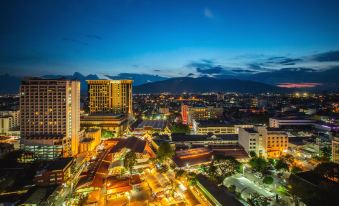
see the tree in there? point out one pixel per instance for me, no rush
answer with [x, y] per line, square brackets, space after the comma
[258, 163]
[268, 180]
[221, 167]
[192, 178]
[180, 128]
[180, 173]
[258, 200]
[165, 152]
[253, 154]
[326, 153]
[232, 188]
[130, 160]
[281, 165]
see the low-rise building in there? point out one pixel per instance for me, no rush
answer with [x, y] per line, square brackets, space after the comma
[251, 140]
[263, 141]
[204, 140]
[91, 140]
[55, 172]
[150, 127]
[278, 122]
[116, 124]
[217, 126]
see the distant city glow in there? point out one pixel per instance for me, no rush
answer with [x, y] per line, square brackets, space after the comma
[299, 85]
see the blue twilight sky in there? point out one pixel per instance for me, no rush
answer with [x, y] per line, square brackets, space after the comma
[168, 38]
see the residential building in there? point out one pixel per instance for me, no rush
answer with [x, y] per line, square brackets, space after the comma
[9, 121]
[110, 96]
[50, 117]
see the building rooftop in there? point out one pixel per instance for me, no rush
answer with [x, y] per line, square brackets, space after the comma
[214, 123]
[133, 143]
[219, 193]
[193, 157]
[59, 164]
[177, 137]
[154, 124]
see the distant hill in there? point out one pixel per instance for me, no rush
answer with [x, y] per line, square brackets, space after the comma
[328, 78]
[77, 76]
[260, 81]
[10, 84]
[138, 79]
[205, 84]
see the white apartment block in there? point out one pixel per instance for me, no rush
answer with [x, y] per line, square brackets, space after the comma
[263, 141]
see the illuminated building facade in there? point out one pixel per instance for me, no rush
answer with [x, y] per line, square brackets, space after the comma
[50, 117]
[262, 141]
[9, 121]
[335, 149]
[204, 127]
[275, 143]
[290, 121]
[190, 113]
[110, 96]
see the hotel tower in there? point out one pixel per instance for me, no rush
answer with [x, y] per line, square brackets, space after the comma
[110, 97]
[50, 117]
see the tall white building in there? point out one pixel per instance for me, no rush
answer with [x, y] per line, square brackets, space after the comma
[50, 117]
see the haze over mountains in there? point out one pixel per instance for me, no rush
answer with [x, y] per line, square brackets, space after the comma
[258, 82]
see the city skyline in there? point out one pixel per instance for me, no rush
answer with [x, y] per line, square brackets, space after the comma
[171, 39]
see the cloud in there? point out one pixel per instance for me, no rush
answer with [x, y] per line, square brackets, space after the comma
[66, 39]
[298, 69]
[256, 67]
[327, 56]
[206, 66]
[213, 70]
[243, 71]
[202, 64]
[94, 36]
[283, 60]
[190, 75]
[156, 70]
[208, 13]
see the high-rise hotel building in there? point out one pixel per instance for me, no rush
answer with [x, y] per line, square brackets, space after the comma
[110, 97]
[50, 117]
